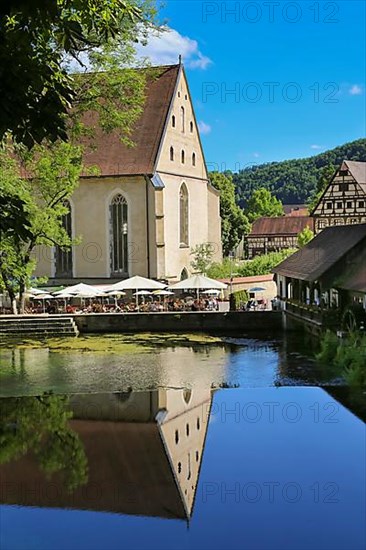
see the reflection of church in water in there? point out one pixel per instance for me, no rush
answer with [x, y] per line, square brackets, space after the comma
[144, 452]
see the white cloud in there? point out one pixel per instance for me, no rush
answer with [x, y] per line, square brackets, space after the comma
[165, 47]
[256, 155]
[204, 128]
[355, 90]
[316, 147]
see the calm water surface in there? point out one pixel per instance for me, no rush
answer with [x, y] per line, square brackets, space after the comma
[147, 450]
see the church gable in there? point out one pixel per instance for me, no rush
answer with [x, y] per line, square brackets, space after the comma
[181, 150]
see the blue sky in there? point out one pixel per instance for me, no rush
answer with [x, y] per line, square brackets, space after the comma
[295, 70]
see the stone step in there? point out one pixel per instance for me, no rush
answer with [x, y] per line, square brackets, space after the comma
[38, 326]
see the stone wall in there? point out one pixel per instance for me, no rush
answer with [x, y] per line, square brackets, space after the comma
[233, 322]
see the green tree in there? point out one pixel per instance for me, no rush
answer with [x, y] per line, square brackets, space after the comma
[202, 257]
[41, 425]
[36, 40]
[324, 178]
[262, 265]
[262, 203]
[234, 223]
[55, 172]
[304, 237]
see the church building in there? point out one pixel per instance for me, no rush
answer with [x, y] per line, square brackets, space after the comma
[150, 204]
[344, 200]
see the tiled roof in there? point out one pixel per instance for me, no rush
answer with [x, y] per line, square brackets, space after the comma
[355, 276]
[320, 254]
[358, 171]
[249, 280]
[113, 157]
[284, 225]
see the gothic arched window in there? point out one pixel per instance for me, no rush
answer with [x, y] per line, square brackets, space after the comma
[183, 215]
[182, 116]
[63, 256]
[119, 235]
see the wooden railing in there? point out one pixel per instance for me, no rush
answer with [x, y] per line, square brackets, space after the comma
[325, 317]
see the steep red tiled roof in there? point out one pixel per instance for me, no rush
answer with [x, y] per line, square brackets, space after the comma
[321, 253]
[113, 157]
[284, 225]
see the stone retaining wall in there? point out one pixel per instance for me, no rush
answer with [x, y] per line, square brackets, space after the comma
[232, 322]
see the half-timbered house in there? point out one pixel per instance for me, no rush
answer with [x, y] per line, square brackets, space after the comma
[274, 234]
[344, 200]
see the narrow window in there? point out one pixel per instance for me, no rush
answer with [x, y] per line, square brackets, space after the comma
[176, 437]
[183, 157]
[187, 429]
[119, 235]
[171, 153]
[63, 256]
[339, 205]
[191, 127]
[193, 159]
[182, 116]
[361, 204]
[173, 121]
[183, 215]
[349, 204]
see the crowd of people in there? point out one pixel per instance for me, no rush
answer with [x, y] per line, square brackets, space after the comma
[99, 305]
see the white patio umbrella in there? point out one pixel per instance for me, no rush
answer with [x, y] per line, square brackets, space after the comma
[198, 282]
[214, 292]
[44, 297]
[115, 293]
[162, 293]
[81, 288]
[138, 283]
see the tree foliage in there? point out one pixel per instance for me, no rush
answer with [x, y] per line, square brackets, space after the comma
[36, 38]
[304, 237]
[234, 223]
[52, 175]
[40, 425]
[262, 203]
[294, 181]
[324, 177]
[202, 257]
[261, 265]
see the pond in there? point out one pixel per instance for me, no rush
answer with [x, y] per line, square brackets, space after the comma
[177, 442]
